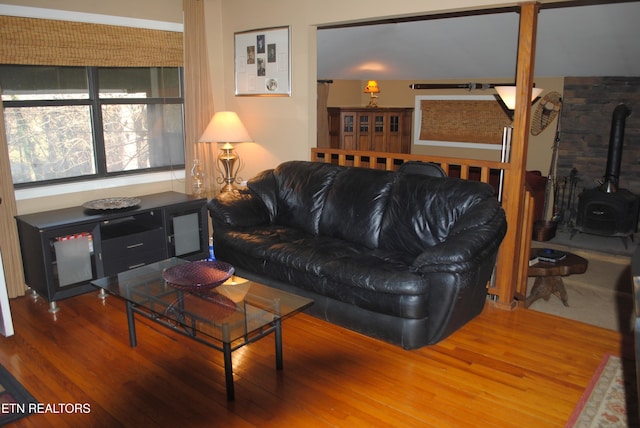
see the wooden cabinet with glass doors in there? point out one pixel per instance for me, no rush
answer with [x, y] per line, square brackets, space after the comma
[370, 129]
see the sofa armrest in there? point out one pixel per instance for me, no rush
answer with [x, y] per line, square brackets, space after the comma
[237, 209]
[465, 248]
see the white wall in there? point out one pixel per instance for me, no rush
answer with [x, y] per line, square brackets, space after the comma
[159, 10]
[285, 128]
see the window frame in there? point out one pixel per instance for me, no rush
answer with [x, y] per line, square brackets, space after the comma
[95, 103]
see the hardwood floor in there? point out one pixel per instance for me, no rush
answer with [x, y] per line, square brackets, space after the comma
[504, 369]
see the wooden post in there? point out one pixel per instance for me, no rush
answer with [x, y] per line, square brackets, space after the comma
[9, 241]
[510, 256]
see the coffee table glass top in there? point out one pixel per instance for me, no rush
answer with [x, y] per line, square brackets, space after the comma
[230, 312]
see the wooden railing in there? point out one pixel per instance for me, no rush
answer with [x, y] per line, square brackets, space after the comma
[485, 171]
[392, 161]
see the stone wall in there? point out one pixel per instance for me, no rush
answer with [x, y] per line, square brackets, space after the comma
[585, 127]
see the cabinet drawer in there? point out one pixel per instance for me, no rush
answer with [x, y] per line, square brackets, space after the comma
[133, 250]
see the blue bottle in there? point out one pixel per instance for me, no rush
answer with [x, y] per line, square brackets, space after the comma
[212, 256]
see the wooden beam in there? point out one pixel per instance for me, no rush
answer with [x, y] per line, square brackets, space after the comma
[9, 242]
[510, 257]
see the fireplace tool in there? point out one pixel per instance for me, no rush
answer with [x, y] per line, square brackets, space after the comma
[570, 211]
[550, 107]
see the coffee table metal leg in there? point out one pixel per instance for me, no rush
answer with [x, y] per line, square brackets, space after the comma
[132, 325]
[278, 338]
[228, 371]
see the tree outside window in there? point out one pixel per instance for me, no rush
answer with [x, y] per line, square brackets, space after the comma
[77, 123]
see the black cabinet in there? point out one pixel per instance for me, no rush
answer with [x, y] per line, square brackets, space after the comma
[63, 250]
[132, 242]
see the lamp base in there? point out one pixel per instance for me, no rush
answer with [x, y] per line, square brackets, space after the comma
[229, 165]
[229, 187]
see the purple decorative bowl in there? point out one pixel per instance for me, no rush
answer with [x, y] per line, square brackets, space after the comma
[201, 275]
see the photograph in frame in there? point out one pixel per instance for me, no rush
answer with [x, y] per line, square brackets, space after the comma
[263, 62]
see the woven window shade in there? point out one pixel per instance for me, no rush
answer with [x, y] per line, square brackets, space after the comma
[463, 121]
[31, 41]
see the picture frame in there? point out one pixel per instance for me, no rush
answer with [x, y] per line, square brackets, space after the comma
[263, 62]
[463, 144]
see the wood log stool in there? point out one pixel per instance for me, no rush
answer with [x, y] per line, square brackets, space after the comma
[549, 277]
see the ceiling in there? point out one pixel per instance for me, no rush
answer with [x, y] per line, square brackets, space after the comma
[590, 40]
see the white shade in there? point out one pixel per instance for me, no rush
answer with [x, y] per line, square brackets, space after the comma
[508, 95]
[225, 127]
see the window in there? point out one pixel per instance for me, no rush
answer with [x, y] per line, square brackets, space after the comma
[77, 123]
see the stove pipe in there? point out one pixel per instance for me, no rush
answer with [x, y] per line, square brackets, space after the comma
[612, 173]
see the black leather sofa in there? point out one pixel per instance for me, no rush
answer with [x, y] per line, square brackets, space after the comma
[397, 256]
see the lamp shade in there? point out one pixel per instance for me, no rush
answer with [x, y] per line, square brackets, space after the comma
[508, 95]
[372, 87]
[225, 126]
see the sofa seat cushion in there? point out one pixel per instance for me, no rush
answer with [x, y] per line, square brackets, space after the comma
[408, 307]
[341, 280]
[340, 261]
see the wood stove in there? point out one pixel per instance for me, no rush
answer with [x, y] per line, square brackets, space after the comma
[608, 214]
[607, 210]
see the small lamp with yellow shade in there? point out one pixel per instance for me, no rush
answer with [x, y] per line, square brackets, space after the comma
[373, 89]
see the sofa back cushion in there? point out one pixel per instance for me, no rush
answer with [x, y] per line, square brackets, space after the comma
[301, 189]
[355, 205]
[421, 211]
[264, 187]
[404, 213]
[325, 199]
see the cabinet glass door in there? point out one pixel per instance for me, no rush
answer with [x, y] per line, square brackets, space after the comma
[348, 134]
[365, 126]
[379, 127]
[188, 232]
[379, 142]
[348, 123]
[394, 136]
[364, 123]
[394, 123]
[73, 257]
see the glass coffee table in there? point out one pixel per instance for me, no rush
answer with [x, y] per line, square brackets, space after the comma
[227, 318]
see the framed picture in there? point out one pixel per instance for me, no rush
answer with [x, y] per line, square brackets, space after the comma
[463, 121]
[263, 62]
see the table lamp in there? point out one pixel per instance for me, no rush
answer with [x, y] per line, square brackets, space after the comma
[226, 127]
[372, 88]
